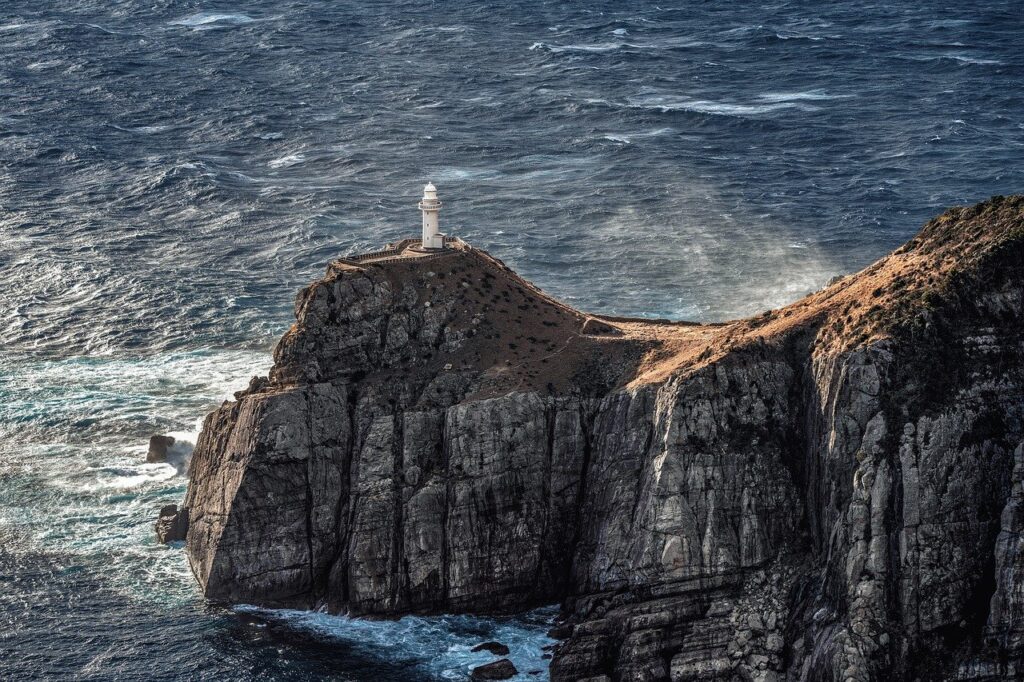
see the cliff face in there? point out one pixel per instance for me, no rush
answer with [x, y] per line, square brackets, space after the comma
[830, 491]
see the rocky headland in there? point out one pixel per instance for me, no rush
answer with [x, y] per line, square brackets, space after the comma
[833, 490]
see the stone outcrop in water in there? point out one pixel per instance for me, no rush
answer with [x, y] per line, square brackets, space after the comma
[158, 447]
[496, 648]
[499, 670]
[171, 524]
[829, 491]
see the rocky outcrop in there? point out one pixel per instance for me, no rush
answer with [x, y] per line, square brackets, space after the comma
[172, 524]
[158, 447]
[830, 491]
[496, 648]
[499, 670]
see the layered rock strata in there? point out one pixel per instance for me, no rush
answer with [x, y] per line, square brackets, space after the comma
[829, 491]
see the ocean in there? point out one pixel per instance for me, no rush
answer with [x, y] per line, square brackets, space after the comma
[171, 172]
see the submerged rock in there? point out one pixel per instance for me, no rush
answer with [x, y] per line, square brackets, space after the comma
[828, 491]
[499, 670]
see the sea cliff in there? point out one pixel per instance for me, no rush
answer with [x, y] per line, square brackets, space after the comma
[827, 491]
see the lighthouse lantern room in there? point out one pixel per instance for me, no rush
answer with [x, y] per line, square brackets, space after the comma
[430, 206]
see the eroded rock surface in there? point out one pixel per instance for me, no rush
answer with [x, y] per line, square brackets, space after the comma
[830, 491]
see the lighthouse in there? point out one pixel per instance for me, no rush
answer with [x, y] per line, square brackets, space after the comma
[430, 206]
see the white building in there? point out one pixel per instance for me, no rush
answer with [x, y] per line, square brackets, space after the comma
[430, 206]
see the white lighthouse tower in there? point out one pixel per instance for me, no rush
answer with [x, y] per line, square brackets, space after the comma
[430, 206]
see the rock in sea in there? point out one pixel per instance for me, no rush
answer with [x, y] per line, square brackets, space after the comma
[496, 648]
[172, 524]
[499, 670]
[158, 447]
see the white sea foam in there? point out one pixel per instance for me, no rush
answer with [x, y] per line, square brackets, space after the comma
[956, 57]
[805, 96]
[43, 65]
[967, 59]
[949, 23]
[661, 44]
[80, 428]
[288, 161]
[627, 138]
[456, 174]
[205, 20]
[129, 478]
[793, 35]
[440, 646]
[598, 47]
[145, 130]
[666, 103]
[190, 436]
[740, 30]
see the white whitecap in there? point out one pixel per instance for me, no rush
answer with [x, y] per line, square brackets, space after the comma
[627, 138]
[201, 20]
[597, 47]
[806, 96]
[666, 103]
[287, 161]
[455, 174]
[113, 477]
[662, 44]
[961, 58]
[967, 59]
[743, 29]
[43, 65]
[793, 35]
[145, 130]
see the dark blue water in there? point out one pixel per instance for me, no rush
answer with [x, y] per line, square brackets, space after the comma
[171, 173]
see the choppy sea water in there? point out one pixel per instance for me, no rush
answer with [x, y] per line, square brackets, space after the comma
[171, 173]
